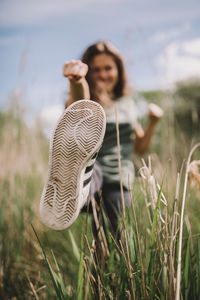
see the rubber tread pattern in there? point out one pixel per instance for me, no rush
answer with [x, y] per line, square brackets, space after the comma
[76, 140]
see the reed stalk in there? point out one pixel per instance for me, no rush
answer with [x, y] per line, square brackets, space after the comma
[178, 283]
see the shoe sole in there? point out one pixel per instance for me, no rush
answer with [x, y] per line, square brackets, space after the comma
[76, 139]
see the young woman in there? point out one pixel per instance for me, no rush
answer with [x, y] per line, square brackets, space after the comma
[73, 173]
[100, 75]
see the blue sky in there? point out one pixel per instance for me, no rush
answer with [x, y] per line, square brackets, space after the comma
[159, 39]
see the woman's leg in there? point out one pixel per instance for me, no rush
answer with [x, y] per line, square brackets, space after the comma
[95, 187]
[113, 204]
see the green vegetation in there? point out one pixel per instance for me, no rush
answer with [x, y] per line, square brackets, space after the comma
[38, 263]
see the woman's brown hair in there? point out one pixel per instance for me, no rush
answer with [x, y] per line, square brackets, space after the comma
[105, 47]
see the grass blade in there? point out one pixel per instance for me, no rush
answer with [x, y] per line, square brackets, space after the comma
[80, 276]
[51, 272]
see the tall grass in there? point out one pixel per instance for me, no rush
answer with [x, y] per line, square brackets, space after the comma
[74, 264]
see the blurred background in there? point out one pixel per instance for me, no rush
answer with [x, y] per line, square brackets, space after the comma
[160, 41]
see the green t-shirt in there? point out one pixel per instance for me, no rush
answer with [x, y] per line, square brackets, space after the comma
[108, 154]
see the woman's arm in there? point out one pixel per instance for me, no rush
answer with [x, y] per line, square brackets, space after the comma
[76, 71]
[143, 138]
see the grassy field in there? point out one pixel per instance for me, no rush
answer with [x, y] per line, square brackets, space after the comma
[38, 263]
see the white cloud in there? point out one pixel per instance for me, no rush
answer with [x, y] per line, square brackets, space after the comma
[49, 117]
[51, 113]
[179, 61]
[27, 12]
[162, 36]
[23, 12]
[192, 47]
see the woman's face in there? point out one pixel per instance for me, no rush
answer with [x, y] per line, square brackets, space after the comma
[104, 70]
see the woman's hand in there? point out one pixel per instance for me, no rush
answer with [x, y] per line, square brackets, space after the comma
[75, 70]
[144, 137]
[155, 113]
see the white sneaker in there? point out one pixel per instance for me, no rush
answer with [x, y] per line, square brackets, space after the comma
[75, 143]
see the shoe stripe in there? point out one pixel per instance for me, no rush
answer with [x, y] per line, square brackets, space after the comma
[87, 181]
[95, 155]
[89, 168]
[87, 175]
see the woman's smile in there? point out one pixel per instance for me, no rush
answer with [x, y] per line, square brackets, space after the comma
[104, 70]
